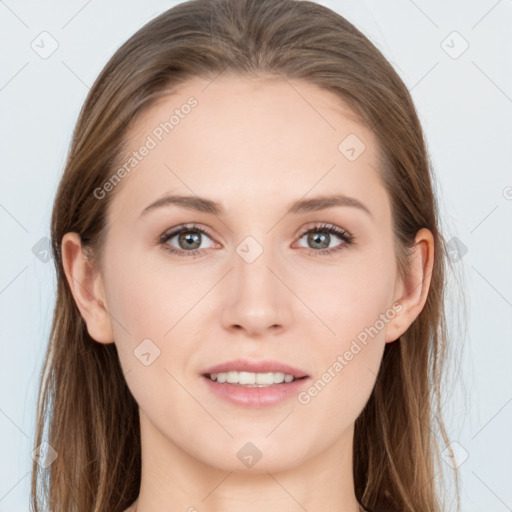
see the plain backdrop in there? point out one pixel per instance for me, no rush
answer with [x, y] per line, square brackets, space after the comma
[455, 58]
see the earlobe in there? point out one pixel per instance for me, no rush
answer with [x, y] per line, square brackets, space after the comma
[86, 285]
[412, 292]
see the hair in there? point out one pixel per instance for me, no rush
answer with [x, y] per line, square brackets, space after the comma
[84, 402]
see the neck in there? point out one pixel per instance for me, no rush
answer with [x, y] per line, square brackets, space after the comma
[172, 480]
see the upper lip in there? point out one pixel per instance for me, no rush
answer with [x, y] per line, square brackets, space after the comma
[244, 365]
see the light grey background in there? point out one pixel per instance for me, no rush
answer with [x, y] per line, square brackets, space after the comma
[464, 99]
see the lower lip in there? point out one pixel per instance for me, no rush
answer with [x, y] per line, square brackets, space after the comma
[256, 397]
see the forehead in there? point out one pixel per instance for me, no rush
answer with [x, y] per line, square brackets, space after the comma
[244, 138]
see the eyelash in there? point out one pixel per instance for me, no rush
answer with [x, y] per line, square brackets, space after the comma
[347, 238]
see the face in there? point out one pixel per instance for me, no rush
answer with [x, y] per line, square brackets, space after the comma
[255, 278]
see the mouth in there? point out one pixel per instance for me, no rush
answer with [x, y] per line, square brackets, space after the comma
[269, 388]
[255, 383]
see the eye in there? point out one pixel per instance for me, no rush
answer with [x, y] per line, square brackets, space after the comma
[188, 239]
[320, 238]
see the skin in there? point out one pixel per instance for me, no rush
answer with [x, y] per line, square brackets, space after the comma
[254, 145]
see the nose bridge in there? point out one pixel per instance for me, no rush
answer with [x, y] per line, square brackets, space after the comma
[256, 300]
[252, 262]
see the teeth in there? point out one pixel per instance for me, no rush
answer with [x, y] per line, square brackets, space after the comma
[252, 379]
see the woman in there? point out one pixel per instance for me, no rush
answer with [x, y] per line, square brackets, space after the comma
[250, 275]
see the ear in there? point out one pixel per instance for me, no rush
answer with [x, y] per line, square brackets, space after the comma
[86, 286]
[412, 291]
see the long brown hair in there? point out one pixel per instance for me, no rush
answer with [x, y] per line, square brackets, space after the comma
[84, 403]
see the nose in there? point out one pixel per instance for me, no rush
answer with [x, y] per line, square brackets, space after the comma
[257, 300]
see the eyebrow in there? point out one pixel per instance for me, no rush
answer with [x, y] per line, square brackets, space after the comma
[205, 205]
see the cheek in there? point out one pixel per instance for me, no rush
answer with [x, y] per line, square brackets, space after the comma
[154, 320]
[347, 367]
[354, 297]
[148, 309]
[358, 308]
[145, 295]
